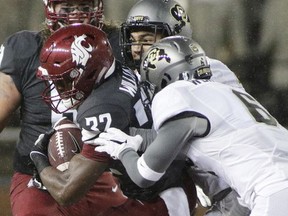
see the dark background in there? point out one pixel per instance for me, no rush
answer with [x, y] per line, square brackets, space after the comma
[229, 30]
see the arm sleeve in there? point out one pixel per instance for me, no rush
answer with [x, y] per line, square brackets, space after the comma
[148, 136]
[16, 54]
[171, 138]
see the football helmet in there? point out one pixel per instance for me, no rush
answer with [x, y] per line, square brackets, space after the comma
[74, 60]
[174, 58]
[86, 10]
[162, 16]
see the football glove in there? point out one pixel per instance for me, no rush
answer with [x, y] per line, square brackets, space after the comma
[36, 182]
[202, 198]
[114, 141]
[38, 153]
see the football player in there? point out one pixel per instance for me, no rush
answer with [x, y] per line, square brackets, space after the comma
[19, 88]
[81, 73]
[220, 128]
[147, 22]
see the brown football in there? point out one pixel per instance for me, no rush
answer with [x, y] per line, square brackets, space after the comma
[64, 143]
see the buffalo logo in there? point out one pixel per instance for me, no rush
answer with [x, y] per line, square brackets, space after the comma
[181, 16]
[80, 54]
[155, 55]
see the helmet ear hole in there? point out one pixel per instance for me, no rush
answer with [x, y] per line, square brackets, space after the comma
[163, 84]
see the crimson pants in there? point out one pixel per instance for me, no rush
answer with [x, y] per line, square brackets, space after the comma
[99, 201]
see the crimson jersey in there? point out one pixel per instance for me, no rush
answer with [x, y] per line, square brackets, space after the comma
[114, 104]
[19, 58]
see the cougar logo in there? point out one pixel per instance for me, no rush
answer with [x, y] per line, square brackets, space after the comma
[80, 54]
[181, 16]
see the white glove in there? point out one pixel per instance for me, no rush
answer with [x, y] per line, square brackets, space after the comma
[203, 199]
[114, 141]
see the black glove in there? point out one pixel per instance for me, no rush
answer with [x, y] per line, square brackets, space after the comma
[38, 153]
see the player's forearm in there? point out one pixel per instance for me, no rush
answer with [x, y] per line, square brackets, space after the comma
[9, 99]
[54, 180]
[59, 187]
[130, 158]
[158, 156]
[148, 136]
[71, 185]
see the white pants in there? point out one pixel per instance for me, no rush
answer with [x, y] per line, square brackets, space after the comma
[176, 201]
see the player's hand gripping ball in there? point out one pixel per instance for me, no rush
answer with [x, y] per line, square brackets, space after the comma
[64, 143]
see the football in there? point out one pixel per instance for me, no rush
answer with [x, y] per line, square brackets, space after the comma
[64, 143]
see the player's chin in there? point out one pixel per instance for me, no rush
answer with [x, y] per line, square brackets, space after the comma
[136, 57]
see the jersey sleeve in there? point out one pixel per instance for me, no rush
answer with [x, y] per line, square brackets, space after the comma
[222, 74]
[16, 54]
[167, 104]
[89, 152]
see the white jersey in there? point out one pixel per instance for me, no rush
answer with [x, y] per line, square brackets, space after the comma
[221, 73]
[245, 145]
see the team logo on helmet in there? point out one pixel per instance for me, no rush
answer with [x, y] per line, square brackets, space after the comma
[181, 16]
[155, 55]
[80, 54]
[137, 19]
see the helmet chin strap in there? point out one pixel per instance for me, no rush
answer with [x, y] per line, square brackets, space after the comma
[60, 24]
[70, 103]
